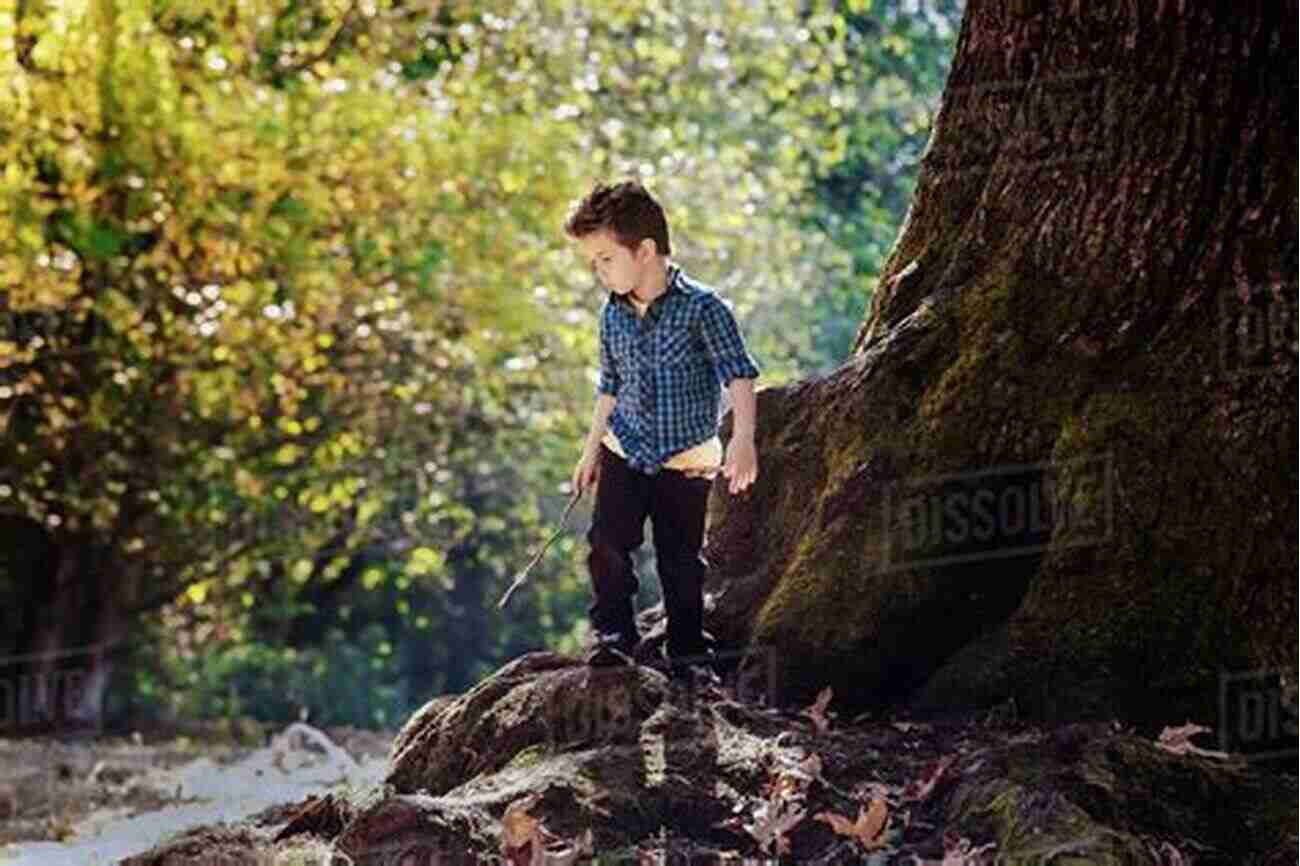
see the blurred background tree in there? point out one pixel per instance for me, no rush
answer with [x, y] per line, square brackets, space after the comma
[899, 54]
[294, 358]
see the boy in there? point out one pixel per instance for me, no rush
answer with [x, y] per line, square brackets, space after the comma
[667, 344]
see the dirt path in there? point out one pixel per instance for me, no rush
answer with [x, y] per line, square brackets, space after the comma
[96, 801]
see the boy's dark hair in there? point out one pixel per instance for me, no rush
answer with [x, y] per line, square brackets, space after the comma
[627, 209]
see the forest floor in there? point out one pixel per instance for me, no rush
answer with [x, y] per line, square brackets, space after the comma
[99, 799]
[722, 775]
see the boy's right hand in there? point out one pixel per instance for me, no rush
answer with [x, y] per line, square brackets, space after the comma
[587, 472]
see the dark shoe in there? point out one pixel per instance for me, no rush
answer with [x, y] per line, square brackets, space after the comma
[611, 648]
[693, 676]
[694, 670]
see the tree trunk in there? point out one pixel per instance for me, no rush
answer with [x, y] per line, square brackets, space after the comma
[1059, 466]
[58, 663]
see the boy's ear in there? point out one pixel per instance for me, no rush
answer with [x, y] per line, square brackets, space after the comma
[645, 252]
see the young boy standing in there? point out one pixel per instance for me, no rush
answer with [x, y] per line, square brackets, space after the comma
[667, 346]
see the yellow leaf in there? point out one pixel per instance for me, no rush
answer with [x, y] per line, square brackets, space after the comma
[423, 561]
[510, 181]
[240, 292]
[368, 509]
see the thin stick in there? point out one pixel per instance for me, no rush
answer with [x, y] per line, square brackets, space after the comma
[523, 575]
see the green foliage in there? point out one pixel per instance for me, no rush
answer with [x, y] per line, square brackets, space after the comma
[340, 681]
[898, 62]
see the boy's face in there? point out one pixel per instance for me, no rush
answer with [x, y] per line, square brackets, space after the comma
[620, 269]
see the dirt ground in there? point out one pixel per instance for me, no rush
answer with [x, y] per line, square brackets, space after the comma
[52, 788]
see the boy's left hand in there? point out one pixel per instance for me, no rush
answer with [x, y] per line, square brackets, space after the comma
[741, 465]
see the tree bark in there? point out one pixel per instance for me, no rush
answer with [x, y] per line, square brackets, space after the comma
[1090, 309]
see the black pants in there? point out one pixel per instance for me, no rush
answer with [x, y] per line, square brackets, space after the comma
[675, 504]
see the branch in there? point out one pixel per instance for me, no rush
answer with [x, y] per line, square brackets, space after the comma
[329, 46]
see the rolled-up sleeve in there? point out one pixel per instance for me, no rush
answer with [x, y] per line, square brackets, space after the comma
[608, 381]
[726, 348]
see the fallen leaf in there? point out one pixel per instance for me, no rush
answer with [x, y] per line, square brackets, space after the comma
[525, 839]
[868, 829]
[781, 808]
[1178, 741]
[960, 851]
[812, 766]
[817, 710]
[1168, 855]
[518, 828]
[772, 820]
[919, 790]
[793, 779]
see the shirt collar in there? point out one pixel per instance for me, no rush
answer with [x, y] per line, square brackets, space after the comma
[672, 284]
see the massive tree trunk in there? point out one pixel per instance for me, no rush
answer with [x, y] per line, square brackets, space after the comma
[1059, 466]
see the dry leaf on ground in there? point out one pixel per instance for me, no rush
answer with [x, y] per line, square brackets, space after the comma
[960, 851]
[1179, 741]
[772, 820]
[523, 837]
[869, 829]
[517, 826]
[918, 789]
[817, 710]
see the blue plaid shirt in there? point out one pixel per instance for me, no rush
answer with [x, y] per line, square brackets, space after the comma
[668, 368]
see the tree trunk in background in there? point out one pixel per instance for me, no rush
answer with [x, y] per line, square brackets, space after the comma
[57, 661]
[1060, 465]
[110, 585]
